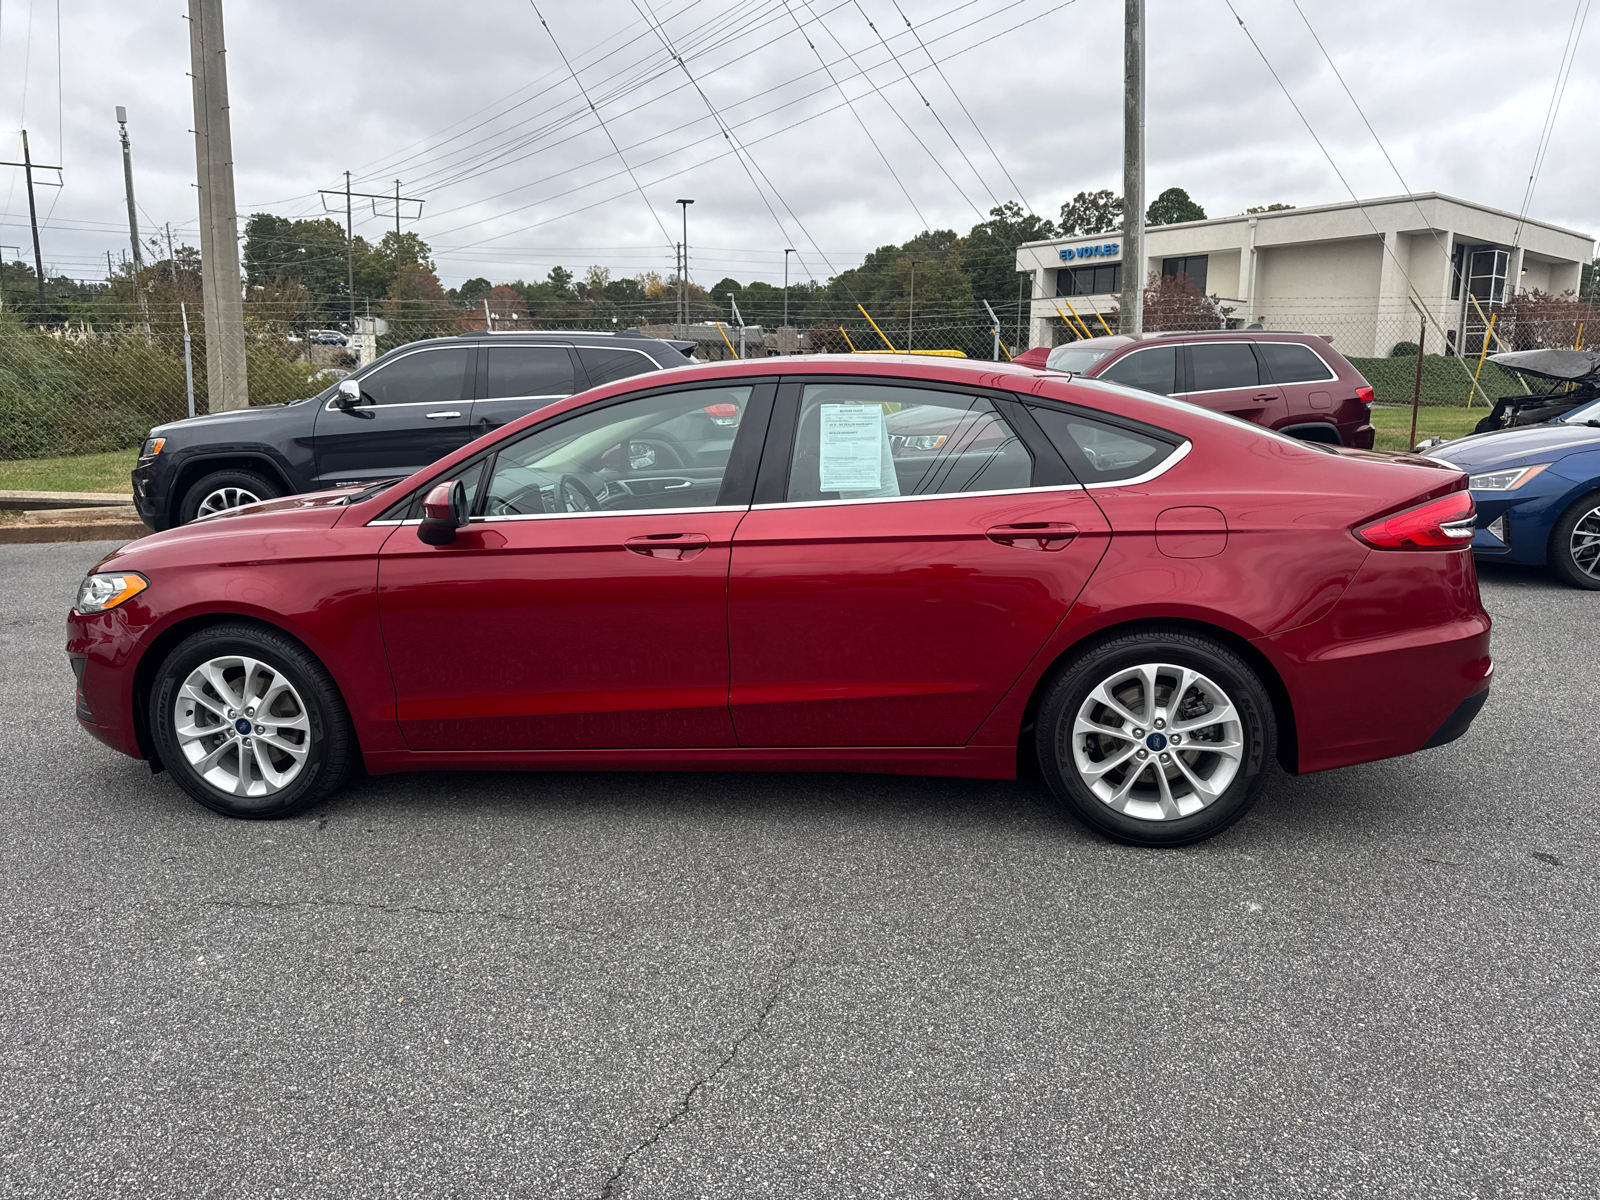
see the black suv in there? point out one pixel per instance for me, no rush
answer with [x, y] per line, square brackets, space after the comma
[413, 405]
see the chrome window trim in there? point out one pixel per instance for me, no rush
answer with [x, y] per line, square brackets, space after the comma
[614, 349]
[1134, 353]
[626, 512]
[1161, 468]
[1333, 376]
[550, 396]
[330, 405]
[1055, 487]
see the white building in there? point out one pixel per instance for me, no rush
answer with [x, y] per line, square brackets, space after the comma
[1348, 270]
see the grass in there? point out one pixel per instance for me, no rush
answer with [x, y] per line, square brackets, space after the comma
[84, 473]
[1393, 425]
[1444, 380]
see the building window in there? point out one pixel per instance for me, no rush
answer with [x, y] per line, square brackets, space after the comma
[1458, 263]
[1089, 281]
[1486, 279]
[1194, 266]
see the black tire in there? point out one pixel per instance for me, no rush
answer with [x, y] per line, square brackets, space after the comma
[1102, 662]
[248, 482]
[330, 751]
[1563, 560]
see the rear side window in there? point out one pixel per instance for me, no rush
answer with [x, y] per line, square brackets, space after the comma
[426, 377]
[607, 364]
[1290, 362]
[529, 371]
[1219, 365]
[1152, 370]
[1099, 452]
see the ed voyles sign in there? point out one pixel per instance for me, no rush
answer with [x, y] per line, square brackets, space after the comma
[1104, 250]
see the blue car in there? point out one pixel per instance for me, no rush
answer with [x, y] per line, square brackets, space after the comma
[1538, 493]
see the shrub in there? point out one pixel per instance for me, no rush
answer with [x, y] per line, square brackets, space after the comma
[1404, 350]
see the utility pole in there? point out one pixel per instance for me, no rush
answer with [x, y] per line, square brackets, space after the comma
[227, 379]
[172, 257]
[786, 254]
[396, 204]
[1133, 168]
[350, 227]
[683, 269]
[127, 181]
[27, 164]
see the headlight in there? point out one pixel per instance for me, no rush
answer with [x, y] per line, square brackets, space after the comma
[1504, 481]
[152, 447]
[98, 593]
[921, 441]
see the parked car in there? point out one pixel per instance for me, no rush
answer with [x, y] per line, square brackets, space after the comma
[1574, 382]
[1296, 383]
[393, 417]
[1537, 490]
[731, 567]
[327, 337]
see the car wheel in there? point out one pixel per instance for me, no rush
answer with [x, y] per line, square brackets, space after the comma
[1575, 543]
[222, 490]
[249, 723]
[1158, 738]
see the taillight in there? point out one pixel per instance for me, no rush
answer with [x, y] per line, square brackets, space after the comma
[723, 414]
[1437, 525]
[1364, 394]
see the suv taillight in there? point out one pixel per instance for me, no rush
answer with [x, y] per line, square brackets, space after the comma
[1364, 394]
[1442, 524]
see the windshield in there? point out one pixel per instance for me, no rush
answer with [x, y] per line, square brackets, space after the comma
[1583, 416]
[1066, 358]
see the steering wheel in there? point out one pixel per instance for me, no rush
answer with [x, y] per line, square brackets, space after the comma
[576, 496]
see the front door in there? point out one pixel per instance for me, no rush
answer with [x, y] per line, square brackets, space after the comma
[1227, 377]
[585, 605]
[914, 561]
[414, 410]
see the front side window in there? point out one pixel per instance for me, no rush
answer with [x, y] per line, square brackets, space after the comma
[862, 441]
[607, 364]
[1097, 451]
[1152, 370]
[425, 377]
[1219, 365]
[1290, 362]
[645, 454]
[528, 372]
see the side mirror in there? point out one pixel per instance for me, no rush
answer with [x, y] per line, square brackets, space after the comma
[443, 512]
[348, 394]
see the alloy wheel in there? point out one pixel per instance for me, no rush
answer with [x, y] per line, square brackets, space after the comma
[225, 498]
[1157, 742]
[1585, 543]
[242, 726]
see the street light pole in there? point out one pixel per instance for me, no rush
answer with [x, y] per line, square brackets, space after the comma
[683, 275]
[786, 253]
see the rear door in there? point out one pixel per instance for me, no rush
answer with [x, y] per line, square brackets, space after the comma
[518, 380]
[1306, 380]
[415, 409]
[1227, 376]
[607, 364]
[906, 557]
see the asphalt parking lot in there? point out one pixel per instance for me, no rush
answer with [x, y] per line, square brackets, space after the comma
[1382, 983]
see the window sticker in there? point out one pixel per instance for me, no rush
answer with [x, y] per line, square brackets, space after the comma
[854, 448]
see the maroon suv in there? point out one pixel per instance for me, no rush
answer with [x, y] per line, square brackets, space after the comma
[1296, 383]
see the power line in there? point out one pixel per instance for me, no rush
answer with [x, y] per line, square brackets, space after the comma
[1569, 56]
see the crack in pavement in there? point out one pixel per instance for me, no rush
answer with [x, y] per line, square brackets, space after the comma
[404, 908]
[684, 1105]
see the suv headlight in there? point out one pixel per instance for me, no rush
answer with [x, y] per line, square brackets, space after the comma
[100, 593]
[1504, 481]
[152, 447]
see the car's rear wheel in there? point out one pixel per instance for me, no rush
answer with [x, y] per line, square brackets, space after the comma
[1158, 738]
[222, 490]
[1575, 543]
[249, 723]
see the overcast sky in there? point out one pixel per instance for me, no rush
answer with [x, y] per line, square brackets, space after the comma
[472, 109]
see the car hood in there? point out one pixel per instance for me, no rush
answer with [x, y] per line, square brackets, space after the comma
[208, 420]
[332, 498]
[1539, 443]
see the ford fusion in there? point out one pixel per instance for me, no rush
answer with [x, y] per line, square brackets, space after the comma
[894, 565]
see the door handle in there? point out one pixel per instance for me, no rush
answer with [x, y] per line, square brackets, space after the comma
[1034, 535]
[440, 416]
[668, 545]
[1265, 396]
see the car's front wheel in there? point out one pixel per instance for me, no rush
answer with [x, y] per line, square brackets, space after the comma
[1158, 738]
[249, 723]
[222, 490]
[1575, 543]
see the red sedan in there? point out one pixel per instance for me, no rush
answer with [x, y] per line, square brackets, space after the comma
[745, 566]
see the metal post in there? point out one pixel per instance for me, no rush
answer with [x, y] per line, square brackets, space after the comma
[739, 319]
[911, 305]
[227, 382]
[33, 220]
[1133, 168]
[350, 250]
[786, 254]
[396, 207]
[488, 317]
[188, 362]
[990, 309]
[1416, 392]
[683, 272]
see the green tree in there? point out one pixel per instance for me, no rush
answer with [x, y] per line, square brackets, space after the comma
[1091, 212]
[989, 251]
[1261, 208]
[1171, 207]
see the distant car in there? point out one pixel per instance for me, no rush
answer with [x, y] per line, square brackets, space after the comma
[391, 418]
[327, 337]
[1295, 383]
[1537, 489]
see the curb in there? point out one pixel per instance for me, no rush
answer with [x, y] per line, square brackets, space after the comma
[74, 525]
